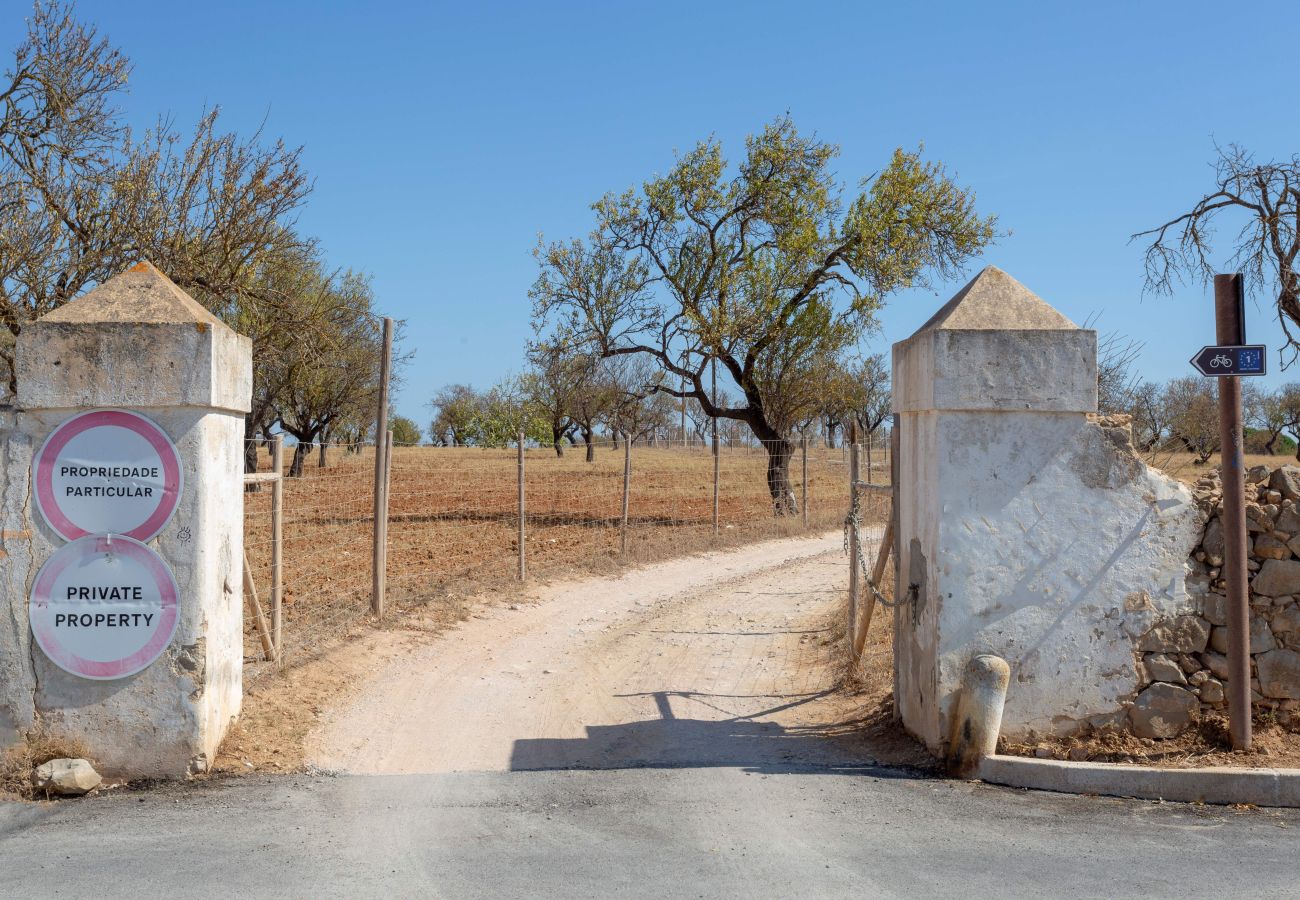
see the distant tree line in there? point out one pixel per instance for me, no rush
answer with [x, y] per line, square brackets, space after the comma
[1182, 414]
[565, 398]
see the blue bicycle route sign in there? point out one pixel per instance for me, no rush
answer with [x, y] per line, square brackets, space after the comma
[1248, 359]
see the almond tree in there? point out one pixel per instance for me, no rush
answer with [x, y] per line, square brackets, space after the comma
[593, 404]
[1193, 410]
[82, 198]
[333, 371]
[767, 267]
[455, 408]
[555, 381]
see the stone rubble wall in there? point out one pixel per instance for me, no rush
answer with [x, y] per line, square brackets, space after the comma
[1184, 661]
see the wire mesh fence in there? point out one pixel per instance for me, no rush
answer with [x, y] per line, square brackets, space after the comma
[453, 521]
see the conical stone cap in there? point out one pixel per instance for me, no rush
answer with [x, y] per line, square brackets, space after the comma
[994, 301]
[996, 346]
[142, 295]
[139, 342]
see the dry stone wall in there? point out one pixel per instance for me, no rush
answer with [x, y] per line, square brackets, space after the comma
[1184, 662]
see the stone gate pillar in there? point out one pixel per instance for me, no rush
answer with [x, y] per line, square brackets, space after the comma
[1026, 529]
[141, 345]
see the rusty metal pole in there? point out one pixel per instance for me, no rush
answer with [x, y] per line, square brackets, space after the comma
[1230, 327]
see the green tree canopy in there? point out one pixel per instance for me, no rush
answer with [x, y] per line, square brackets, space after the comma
[405, 432]
[768, 267]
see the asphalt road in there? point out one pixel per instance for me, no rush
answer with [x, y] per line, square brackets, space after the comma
[679, 832]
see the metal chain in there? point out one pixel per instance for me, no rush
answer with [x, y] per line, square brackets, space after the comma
[853, 528]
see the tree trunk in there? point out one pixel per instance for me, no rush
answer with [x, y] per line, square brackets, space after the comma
[557, 439]
[300, 451]
[320, 462]
[779, 452]
[588, 439]
[251, 428]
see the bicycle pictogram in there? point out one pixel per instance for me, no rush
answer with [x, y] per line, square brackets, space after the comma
[1220, 361]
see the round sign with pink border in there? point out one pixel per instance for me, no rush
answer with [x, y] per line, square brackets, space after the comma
[104, 607]
[108, 471]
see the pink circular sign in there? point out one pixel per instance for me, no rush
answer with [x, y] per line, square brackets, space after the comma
[104, 607]
[108, 471]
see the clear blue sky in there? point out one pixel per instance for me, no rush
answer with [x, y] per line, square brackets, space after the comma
[444, 137]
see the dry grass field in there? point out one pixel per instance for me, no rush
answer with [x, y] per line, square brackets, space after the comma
[453, 524]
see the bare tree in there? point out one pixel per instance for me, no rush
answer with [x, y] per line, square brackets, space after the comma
[557, 377]
[1117, 380]
[1265, 417]
[1266, 196]
[1288, 400]
[1150, 416]
[81, 198]
[593, 404]
[700, 420]
[638, 409]
[334, 372]
[1193, 409]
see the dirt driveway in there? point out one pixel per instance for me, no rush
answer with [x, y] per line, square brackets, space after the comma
[723, 659]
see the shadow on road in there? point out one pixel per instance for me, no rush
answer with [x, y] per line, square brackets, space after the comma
[757, 746]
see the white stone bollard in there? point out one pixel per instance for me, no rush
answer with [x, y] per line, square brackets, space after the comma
[138, 344]
[978, 714]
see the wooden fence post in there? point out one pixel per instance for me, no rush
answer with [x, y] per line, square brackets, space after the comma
[627, 489]
[385, 452]
[855, 550]
[717, 477]
[877, 573]
[259, 618]
[717, 450]
[803, 443]
[523, 565]
[379, 549]
[277, 543]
